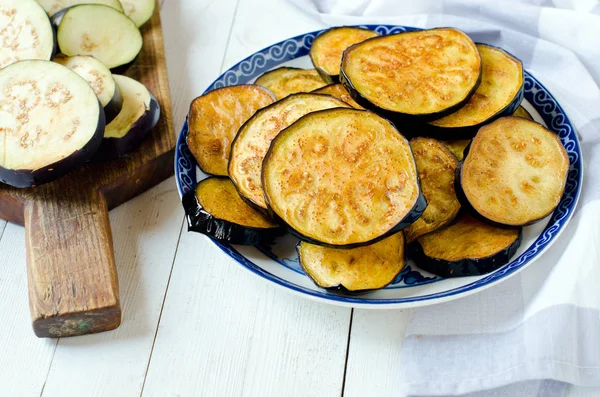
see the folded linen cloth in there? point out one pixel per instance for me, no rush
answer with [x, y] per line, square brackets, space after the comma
[540, 330]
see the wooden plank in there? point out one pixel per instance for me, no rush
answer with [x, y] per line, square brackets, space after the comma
[224, 332]
[373, 367]
[25, 359]
[146, 231]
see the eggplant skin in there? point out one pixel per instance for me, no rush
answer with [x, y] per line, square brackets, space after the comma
[464, 267]
[112, 148]
[114, 106]
[49, 173]
[201, 221]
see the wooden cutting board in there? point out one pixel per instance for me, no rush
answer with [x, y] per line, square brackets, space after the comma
[73, 287]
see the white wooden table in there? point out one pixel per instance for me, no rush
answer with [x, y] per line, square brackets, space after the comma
[194, 322]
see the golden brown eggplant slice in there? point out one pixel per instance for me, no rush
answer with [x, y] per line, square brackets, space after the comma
[338, 91]
[428, 74]
[457, 147]
[327, 49]
[342, 177]
[514, 173]
[436, 166]
[215, 119]
[254, 138]
[356, 269]
[285, 81]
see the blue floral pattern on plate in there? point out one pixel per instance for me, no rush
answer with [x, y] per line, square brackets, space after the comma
[283, 250]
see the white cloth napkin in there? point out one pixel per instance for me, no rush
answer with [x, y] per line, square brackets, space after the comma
[538, 331]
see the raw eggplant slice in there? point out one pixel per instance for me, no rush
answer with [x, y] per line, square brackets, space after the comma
[214, 208]
[338, 91]
[327, 49]
[343, 178]
[467, 247]
[140, 11]
[285, 81]
[53, 6]
[26, 32]
[436, 166]
[356, 269]
[215, 118]
[499, 94]
[254, 138]
[514, 173]
[139, 115]
[99, 78]
[50, 122]
[426, 74]
[522, 112]
[100, 31]
[457, 147]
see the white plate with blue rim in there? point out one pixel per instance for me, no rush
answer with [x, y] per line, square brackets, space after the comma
[277, 262]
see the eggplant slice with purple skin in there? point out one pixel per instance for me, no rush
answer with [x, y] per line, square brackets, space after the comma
[284, 81]
[499, 94]
[327, 49]
[99, 78]
[467, 247]
[514, 172]
[139, 115]
[338, 91]
[140, 11]
[50, 121]
[214, 208]
[26, 32]
[342, 178]
[354, 270]
[413, 76]
[100, 31]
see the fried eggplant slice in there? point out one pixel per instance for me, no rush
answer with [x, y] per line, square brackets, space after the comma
[327, 49]
[499, 94]
[338, 91]
[467, 247]
[215, 209]
[214, 120]
[426, 74]
[254, 138]
[436, 166]
[285, 81]
[342, 177]
[356, 269]
[514, 172]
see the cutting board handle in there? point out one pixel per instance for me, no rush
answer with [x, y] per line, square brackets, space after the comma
[73, 287]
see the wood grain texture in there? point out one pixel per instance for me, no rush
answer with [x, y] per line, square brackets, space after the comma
[72, 277]
[145, 230]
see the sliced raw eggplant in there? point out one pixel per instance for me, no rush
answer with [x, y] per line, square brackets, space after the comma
[26, 32]
[499, 94]
[285, 81]
[254, 138]
[54, 6]
[457, 147]
[436, 166]
[467, 247]
[50, 122]
[522, 112]
[514, 173]
[133, 124]
[356, 269]
[140, 11]
[99, 78]
[342, 177]
[327, 49]
[100, 31]
[426, 74]
[338, 91]
[216, 117]
[215, 209]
